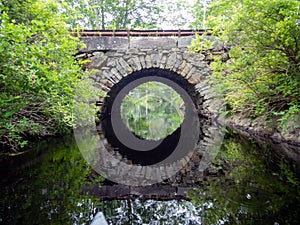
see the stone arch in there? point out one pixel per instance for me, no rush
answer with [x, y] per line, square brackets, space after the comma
[112, 66]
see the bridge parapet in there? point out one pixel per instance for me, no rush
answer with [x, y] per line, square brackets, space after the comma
[97, 43]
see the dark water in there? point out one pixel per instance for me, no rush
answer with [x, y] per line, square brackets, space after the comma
[255, 185]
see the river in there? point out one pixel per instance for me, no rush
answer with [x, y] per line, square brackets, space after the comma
[253, 184]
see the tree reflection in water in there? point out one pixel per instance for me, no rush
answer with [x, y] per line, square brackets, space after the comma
[258, 187]
[44, 186]
[127, 212]
[152, 110]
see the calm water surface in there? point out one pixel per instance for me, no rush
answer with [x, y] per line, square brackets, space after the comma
[255, 186]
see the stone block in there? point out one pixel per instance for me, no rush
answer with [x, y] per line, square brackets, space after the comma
[133, 51]
[109, 76]
[185, 41]
[82, 56]
[135, 63]
[153, 42]
[194, 76]
[121, 70]
[111, 62]
[114, 53]
[125, 65]
[191, 73]
[202, 86]
[186, 70]
[193, 57]
[116, 74]
[148, 61]
[142, 61]
[218, 45]
[204, 92]
[95, 43]
[105, 89]
[171, 61]
[175, 50]
[206, 71]
[156, 58]
[178, 62]
[163, 62]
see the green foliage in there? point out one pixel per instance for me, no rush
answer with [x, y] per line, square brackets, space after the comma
[174, 14]
[38, 72]
[15, 9]
[110, 14]
[262, 76]
[201, 43]
[200, 12]
[152, 110]
[84, 107]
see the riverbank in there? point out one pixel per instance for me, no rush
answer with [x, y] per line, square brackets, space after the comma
[284, 140]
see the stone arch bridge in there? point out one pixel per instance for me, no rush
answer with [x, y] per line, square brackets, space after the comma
[119, 57]
[117, 54]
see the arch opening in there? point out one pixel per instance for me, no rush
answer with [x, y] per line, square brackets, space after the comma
[152, 110]
[133, 145]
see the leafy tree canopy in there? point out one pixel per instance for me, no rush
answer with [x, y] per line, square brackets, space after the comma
[38, 72]
[262, 77]
[200, 10]
[110, 14]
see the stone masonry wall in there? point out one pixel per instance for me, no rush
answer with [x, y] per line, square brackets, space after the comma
[116, 57]
[113, 58]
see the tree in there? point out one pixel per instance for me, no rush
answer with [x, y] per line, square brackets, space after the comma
[175, 14]
[262, 76]
[111, 14]
[199, 12]
[38, 71]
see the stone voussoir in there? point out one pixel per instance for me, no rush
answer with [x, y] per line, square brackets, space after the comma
[121, 70]
[148, 61]
[142, 61]
[98, 59]
[125, 65]
[109, 76]
[156, 58]
[111, 62]
[163, 61]
[135, 63]
[185, 69]
[116, 74]
[171, 61]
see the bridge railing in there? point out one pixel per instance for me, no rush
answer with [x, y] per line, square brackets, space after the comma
[139, 33]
